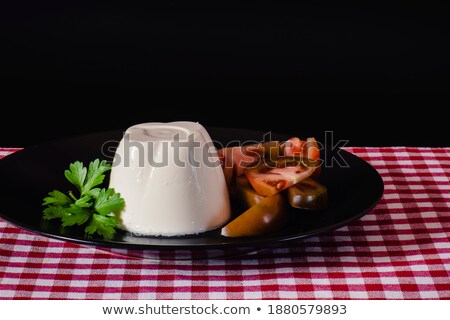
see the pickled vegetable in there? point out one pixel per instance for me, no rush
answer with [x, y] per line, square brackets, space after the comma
[308, 194]
[246, 195]
[269, 215]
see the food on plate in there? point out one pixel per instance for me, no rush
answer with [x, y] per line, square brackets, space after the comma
[236, 159]
[307, 149]
[245, 193]
[271, 176]
[266, 216]
[162, 184]
[308, 194]
[169, 190]
[296, 147]
[93, 208]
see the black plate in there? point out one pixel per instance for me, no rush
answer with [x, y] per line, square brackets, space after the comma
[28, 175]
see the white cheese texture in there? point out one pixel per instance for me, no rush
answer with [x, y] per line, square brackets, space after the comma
[166, 198]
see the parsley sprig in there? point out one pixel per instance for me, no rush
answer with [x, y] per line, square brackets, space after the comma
[90, 206]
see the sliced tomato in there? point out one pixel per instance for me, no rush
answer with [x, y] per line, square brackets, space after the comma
[295, 147]
[236, 159]
[313, 154]
[312, 149]
[244, 157]
[271, 177]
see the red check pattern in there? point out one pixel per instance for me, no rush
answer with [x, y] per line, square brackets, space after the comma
[399, 250]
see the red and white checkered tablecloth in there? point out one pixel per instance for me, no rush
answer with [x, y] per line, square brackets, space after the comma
[399, 250]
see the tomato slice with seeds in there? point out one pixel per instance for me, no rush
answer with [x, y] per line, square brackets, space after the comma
[271, 177]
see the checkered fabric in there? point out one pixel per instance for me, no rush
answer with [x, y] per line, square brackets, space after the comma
[399, 250]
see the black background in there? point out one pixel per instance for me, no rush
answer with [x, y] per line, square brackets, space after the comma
[373, 125]
[357, 67]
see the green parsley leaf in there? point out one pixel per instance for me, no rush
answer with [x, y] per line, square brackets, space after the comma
[94, 208]
[103, 225]
[83, 202]
[95, 174]
[93, 193]
[76, 175]
[53, 212]
[75, 215]
[108, 201]
[57, 198]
